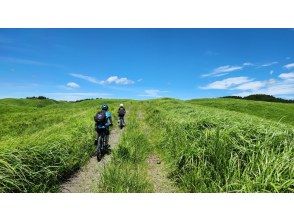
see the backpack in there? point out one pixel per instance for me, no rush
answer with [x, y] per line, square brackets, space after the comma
[100, 118]
[121, 112]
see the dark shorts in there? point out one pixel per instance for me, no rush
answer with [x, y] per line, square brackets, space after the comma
[100, 130]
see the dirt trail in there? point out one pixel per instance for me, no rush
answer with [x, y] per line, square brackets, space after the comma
[157, 171]
[158, 175]
[87, 178]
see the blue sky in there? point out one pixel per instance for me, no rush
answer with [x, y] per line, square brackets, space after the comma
[74, 64]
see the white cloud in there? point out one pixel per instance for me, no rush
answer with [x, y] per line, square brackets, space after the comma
[271, 72]
[110, 80]
[223, 69]
[289, 66]
[85, 77]
[117, 80]
[269, 64]
[255, 85]
[153, 93]
[243, 86]
[227, 83]
[287, 76]
[279, 88]
[243, 94]
[72, 85]
[139, 80]
[248, 64]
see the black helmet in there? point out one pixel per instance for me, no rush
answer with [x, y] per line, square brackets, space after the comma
[104, 107]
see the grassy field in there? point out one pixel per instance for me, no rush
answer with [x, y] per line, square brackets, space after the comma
[212, 145]
[213, 150]
[42, 142]
[282, 112]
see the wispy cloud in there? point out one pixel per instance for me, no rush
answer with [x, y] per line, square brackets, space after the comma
[85, 77]
[287, 76]
[227, 83]
[223, 70]
[110, 80]
[153, 93]
[73, 85]
[277, 88]
[255, 85]
[271, 72]
[269, 64]
[248, 64]
[244, 86]
[289, 66]
[117, 80]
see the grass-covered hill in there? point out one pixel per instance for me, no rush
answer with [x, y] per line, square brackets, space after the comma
[211, 145]
[262, 97]
[282, 112]
[43, 141]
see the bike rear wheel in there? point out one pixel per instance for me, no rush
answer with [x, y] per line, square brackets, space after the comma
[99, 148]
[121, 125]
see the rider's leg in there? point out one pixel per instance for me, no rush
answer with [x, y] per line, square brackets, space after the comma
[107, 137]
[97, 136]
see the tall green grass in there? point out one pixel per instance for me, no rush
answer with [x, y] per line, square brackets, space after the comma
[44, 142]
[127, 171]
[208, 146]
[221, 151]
[280, 112]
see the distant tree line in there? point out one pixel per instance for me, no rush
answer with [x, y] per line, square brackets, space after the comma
[261, 97]
[81, 100]
[43, 97]
[37, 97]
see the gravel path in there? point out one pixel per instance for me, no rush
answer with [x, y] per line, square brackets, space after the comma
[87, 178]
[158, 175]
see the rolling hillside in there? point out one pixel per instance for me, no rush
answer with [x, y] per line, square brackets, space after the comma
[211, 145]
[282, 112]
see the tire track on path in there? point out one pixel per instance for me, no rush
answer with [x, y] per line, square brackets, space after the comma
[157, 170]
[88, 177]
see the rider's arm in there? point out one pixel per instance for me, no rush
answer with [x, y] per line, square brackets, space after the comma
[109, 117]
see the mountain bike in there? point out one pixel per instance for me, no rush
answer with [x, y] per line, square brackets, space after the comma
[121, 122]
[101, 146]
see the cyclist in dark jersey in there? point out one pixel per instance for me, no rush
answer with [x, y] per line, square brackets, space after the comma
[121, 113]
[103, 120]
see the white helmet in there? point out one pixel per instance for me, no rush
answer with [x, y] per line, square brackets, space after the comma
[121, 105]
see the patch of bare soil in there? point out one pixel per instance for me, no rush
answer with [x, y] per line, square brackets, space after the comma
[87, 178]
[158, 175]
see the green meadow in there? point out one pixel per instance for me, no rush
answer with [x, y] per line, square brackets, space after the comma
[206, 145]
